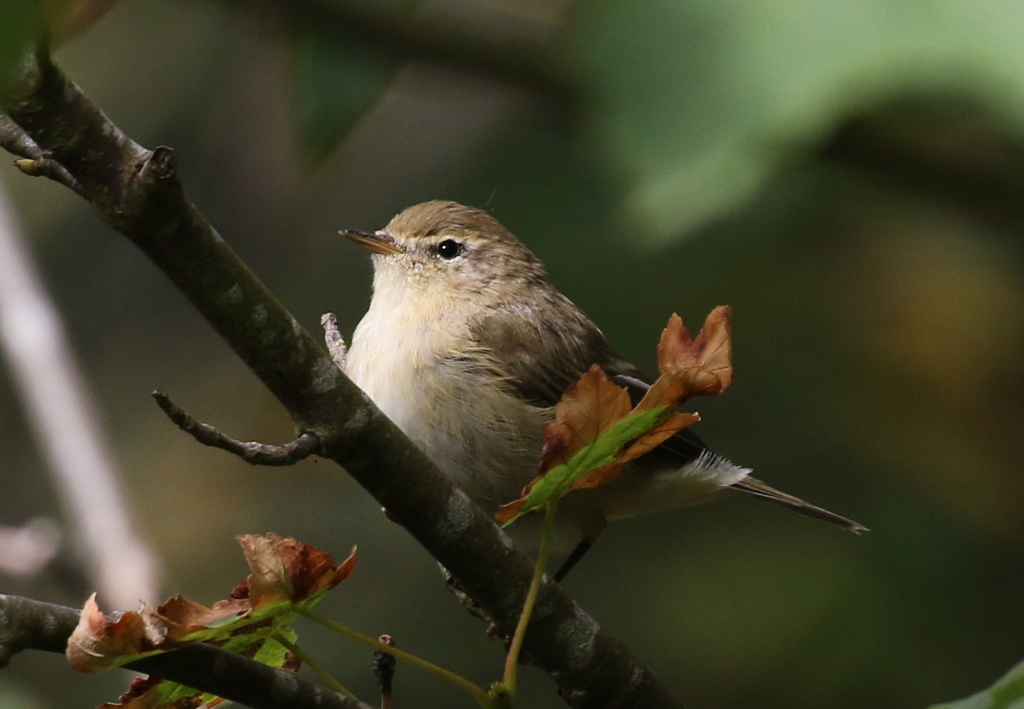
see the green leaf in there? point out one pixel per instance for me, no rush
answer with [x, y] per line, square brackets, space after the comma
[1006, 693]
[274, 653]
[601, 452]
[166, 692]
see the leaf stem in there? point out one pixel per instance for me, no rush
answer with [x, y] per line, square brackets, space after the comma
[512, 661]
[315, 666]
[475, 691]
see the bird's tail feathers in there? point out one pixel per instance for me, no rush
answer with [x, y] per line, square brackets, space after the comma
[753, 486]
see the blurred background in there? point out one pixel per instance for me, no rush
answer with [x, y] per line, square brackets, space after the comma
[848, 176]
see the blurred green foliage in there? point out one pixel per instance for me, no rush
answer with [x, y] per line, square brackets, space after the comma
[22, 20]
[336, 83]
[849, 177]
[705, 98]
[1007, 693]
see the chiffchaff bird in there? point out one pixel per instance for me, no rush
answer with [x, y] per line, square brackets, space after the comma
[467, 347]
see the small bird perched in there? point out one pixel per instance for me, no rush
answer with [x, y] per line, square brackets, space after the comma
[467, 347]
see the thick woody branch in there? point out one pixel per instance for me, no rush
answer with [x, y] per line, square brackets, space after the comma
[251, 452]
[136, 192]
[241, 680]
[33, 625]
[26, 624]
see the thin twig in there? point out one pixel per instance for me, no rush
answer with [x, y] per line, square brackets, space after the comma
[251, 452]
[512, 660]
[316, 667]
[16, 141]
[34, 161]
[459, 681]
[384, 670]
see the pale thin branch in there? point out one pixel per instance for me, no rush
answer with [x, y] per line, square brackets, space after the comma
[251, 452]
[65, 425]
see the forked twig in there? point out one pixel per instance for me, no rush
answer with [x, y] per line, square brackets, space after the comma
[252, 452]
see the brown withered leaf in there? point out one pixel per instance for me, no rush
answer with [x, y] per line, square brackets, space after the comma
[656, 436]
[96, 640]
[511, 511]
[586, 409]
[590, 445]
[285, 573]
[184, 617]
[98, 643]
[704, 363]
[644, 444]
[594, 432]
[287, 570]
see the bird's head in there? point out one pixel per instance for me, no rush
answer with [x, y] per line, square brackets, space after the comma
[446, 247]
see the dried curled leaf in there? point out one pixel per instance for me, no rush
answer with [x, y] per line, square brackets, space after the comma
[587, 409]
[704, 362]
[284, 570]
[96, 639]
[285, 575]
[595, 432]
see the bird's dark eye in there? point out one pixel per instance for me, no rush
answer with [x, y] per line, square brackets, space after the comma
[449, 249]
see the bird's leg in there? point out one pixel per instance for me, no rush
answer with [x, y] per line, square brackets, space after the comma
[582, 548]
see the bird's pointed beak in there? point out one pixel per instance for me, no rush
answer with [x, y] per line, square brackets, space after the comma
[379, 242]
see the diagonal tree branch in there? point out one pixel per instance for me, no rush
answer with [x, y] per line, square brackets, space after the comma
[136, 192]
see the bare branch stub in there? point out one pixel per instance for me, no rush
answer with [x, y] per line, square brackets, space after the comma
[384, 670]
[251, 452]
